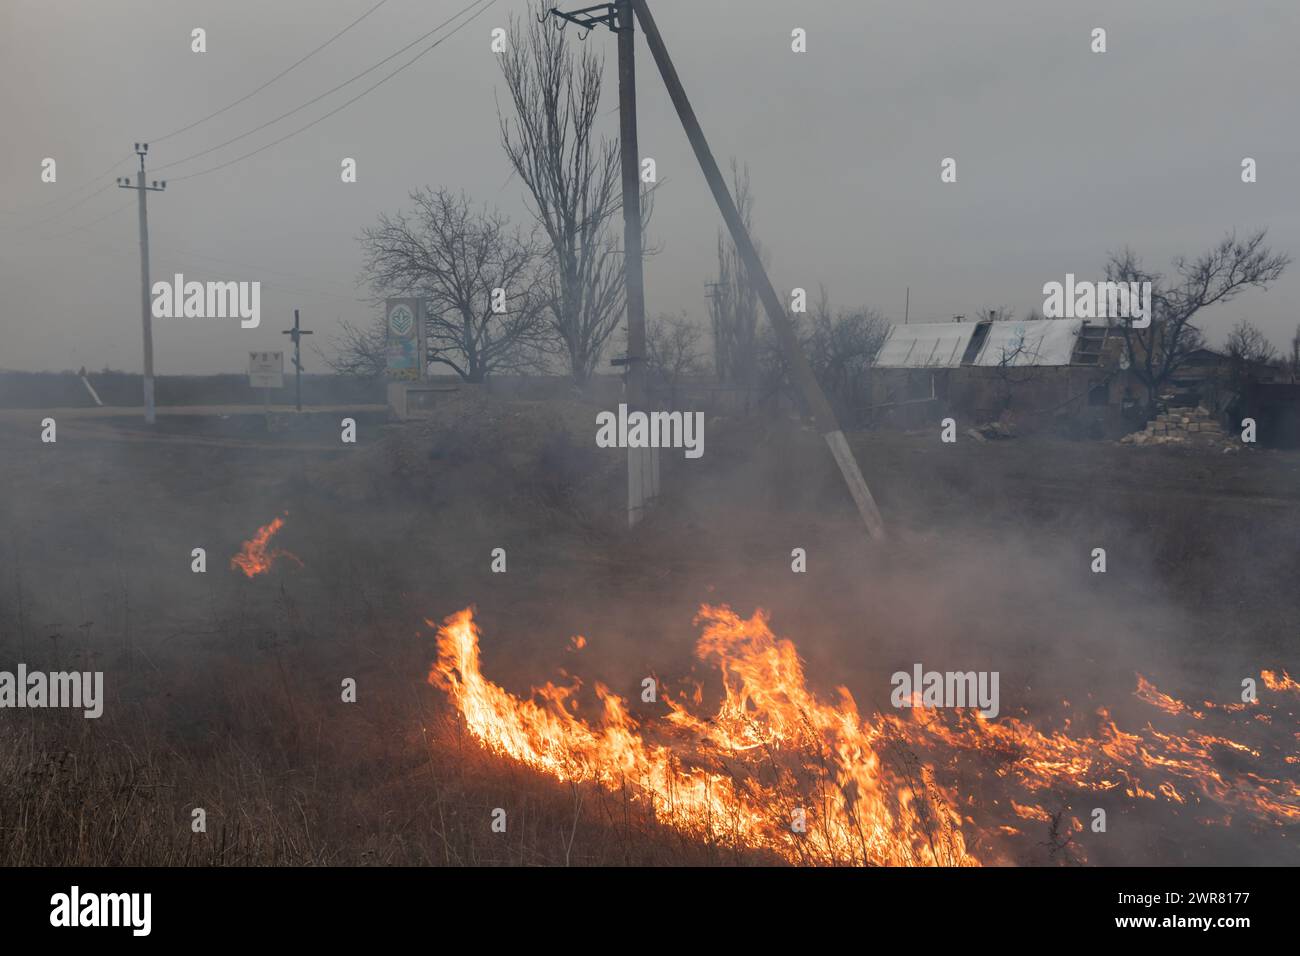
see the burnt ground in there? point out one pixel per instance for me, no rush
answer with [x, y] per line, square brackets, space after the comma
[223, 692]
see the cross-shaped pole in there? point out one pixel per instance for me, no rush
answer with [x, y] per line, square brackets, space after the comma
[296, 334]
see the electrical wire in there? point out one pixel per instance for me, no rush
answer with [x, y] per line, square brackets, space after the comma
[112, 212]
[285, 72]
[433, 46]
[12, 210]
[321, 96]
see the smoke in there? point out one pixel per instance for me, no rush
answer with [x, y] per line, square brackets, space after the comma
[987, 567]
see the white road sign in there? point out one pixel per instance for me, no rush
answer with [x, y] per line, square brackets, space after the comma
[266, 369]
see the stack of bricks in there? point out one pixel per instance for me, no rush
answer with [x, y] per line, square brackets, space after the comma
[1180, 426]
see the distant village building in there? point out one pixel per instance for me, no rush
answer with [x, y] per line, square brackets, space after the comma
[1039, 370]
[1067, 374]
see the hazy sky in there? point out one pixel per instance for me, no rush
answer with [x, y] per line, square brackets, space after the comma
[1062, 154]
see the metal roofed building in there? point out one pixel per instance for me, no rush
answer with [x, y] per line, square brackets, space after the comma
[926, 345]
[1043, 369]
[1033, 342]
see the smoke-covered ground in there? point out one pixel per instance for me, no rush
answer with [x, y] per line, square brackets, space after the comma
[223, 692]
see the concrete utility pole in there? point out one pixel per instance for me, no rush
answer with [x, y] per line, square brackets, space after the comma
[800, 371]
[633, 276]
[145, 312]
[643, 468]
[296, 333]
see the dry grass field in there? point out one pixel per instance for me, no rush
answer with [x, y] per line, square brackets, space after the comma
[223, 692]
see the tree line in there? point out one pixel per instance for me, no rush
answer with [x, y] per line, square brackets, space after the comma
[505, 298]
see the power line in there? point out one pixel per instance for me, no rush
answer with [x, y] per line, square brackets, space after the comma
[334, 89]
[71, 192]
[59, 215]
[112, 212]
[247, 265]
[288, 69]
[327, 288]
[168, 264]
[117, 162]
[343, 106]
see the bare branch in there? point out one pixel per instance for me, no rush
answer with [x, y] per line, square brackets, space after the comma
[456, 258]
[573, 182]
[1158, 351]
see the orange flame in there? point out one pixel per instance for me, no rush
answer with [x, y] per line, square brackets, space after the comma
[1282, 684]
[254, 558]
[774, 755]
[1147, 692]
[735, 778]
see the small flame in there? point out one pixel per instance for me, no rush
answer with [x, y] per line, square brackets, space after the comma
[254, 558]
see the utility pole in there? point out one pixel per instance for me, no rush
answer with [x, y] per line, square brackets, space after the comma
[296, 334]
[633, 278]
[145, 313]
[800, 371]
[643, 468]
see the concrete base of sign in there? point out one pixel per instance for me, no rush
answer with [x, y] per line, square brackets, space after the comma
[416, 399]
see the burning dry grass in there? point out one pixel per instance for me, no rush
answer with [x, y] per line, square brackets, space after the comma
[774, 765]
[239, 713]
[289, 776]
[778, 770]
[256, 556]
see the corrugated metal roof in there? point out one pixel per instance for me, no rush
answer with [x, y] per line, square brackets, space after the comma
[926, 345]
[1037, 342]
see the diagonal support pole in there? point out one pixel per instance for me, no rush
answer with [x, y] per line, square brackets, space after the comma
[800, 371]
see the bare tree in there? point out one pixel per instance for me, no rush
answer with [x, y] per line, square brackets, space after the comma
[1156, 352]
[841, 346]
[573, 181]
[673, 350]
[733, 302]
[476, 274]
[1248, 344]
[1248, 349]
[359, 351]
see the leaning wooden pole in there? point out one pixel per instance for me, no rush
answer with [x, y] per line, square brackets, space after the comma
[800, 371]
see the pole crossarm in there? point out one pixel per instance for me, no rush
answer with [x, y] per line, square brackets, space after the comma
[603, 14]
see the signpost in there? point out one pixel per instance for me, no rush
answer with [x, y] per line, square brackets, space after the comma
[266, 370]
